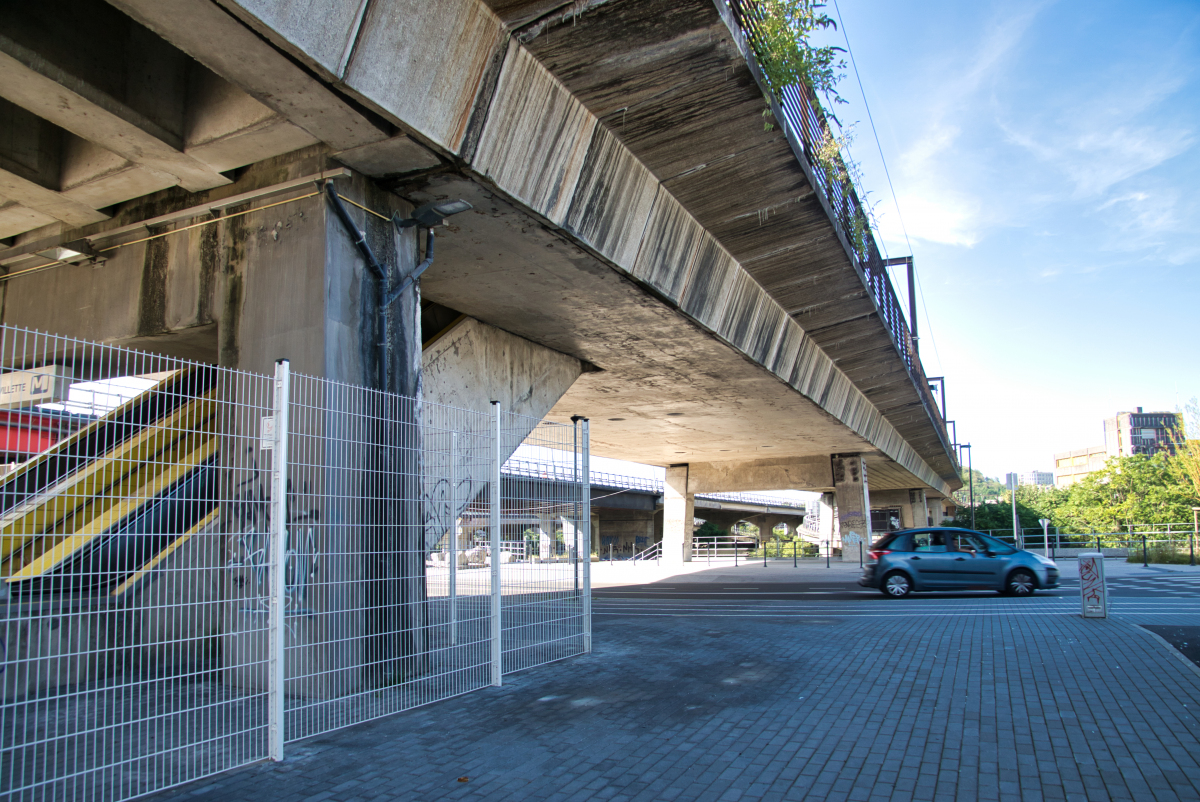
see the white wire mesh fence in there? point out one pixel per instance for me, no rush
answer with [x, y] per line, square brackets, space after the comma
[199, 564]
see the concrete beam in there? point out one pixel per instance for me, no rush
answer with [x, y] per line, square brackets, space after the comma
[47, 201]
[29, 81]
[794, 473]
[210, 35]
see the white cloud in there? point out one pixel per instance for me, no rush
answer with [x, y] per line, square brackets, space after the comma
[941, 217]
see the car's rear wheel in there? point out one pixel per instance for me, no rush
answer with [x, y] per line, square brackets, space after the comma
[1020, 583]
[895, 585]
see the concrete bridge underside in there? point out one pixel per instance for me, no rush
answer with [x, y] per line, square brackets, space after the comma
[660, 262]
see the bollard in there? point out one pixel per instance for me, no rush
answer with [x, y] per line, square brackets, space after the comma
[735, 554]
[860, 565]
[1093, 591]
[828, 551]
[794, 563]
[764, 555]
[1145, 560]
[610, 559]
[1192, 547]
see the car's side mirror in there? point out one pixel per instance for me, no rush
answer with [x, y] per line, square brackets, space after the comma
[990, 553]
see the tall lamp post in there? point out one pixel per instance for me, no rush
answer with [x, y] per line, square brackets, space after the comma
[970, 482]
[1195, 531]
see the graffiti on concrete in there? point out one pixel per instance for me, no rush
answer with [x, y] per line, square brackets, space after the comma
[442, 505]
[250, 528]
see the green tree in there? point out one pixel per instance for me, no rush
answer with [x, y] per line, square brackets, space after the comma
[998, 515]
[1185, 465]
[1141, 489]
[985, 489]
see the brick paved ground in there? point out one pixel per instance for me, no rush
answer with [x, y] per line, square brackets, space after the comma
[983, 698]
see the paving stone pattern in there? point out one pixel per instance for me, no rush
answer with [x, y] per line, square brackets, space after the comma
[728, 706]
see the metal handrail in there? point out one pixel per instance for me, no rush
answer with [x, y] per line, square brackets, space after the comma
[653, 552]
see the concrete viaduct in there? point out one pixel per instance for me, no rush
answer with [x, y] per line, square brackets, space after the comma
[640, 249]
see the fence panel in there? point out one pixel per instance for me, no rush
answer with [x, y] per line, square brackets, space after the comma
[128, 566]
[196, 570]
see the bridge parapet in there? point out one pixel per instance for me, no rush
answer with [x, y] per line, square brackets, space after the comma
[806, 126]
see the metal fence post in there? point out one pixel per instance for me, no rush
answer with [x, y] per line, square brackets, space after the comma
[452, 591]
[276, 660]
[586, 531]
[794, 563]
[497, 652]
[1145, 557]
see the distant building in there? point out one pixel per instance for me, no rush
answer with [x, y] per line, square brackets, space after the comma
[1130, 433]
[1037, 478]
[1125, 434]
[1071, 466]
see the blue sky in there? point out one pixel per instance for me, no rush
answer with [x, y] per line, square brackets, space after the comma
[1046, 160]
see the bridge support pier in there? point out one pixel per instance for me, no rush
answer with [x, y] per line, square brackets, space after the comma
[679, 512]
[853, 504]
[545, 537]
[919, 507]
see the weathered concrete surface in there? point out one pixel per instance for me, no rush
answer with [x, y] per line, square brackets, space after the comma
[633, 206]
[851, 488]
[467, 368]
[804, 473]
[474, 364]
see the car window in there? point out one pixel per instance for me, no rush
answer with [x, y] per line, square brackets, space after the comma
[883, 543]
[968, 541]
[900, 543]
[996, 546]
[929, 541]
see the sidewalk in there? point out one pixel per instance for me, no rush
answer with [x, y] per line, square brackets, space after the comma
[729, 704]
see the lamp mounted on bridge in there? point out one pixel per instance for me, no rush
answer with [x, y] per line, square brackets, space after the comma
[433, 214]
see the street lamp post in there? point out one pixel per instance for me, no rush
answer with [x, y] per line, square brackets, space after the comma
[1195, 531]
[970, 482]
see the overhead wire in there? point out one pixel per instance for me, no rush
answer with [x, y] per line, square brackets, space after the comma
[887, 173]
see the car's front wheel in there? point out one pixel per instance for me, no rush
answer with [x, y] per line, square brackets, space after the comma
[1020, 583]
[895, 585]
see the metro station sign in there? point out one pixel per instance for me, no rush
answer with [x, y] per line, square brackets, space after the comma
[44, 385]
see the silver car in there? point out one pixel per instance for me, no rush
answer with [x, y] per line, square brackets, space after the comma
[943, 558]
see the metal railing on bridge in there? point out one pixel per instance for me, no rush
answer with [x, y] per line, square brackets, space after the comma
[804, 119]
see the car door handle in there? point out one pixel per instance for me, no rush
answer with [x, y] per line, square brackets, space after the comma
[916, 558]
[959, 559]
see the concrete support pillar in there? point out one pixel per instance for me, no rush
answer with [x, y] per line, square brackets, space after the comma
[825, 523]
[853, 503]
[289, 282]
[545, 537]
[679, 512]
[920, 508]
[570, 535]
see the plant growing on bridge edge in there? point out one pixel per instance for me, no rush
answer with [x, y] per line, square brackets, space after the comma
[778, 32]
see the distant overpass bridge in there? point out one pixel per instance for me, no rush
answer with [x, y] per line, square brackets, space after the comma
[640, 250]
[627, 511]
